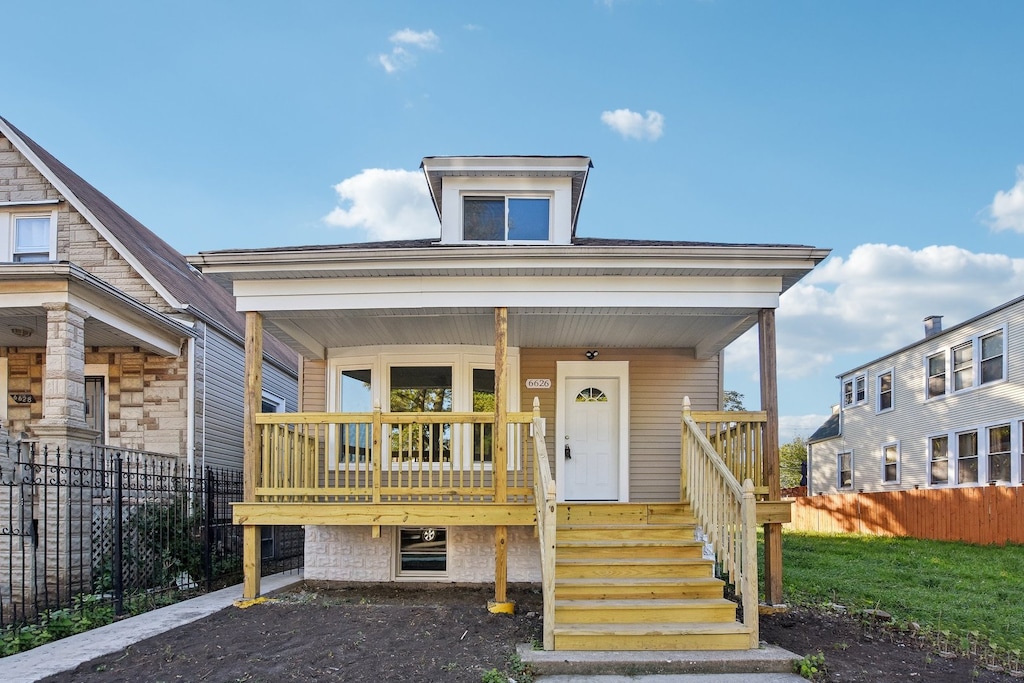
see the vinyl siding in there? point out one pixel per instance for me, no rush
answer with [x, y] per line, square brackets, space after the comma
[914, 420]
[658, 380]
[224, 398]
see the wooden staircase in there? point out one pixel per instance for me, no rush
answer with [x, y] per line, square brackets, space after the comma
[631, 577]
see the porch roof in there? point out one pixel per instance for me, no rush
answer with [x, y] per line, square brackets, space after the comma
[114, 318]
[599, 293]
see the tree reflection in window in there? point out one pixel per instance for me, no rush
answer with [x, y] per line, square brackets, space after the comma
[421, 390]
[591, 395]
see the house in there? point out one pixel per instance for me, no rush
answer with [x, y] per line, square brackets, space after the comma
[941, 413]
[108, 336]
[505, 402]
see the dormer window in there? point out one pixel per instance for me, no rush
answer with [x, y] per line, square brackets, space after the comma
[506, 219]
[491, 201]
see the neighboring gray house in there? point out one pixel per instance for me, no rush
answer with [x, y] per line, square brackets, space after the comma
[107, 334]
[945, 411]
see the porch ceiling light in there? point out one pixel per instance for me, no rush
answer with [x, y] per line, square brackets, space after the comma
[591, 355]
[23, 332]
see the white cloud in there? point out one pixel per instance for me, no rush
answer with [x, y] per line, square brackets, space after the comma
[874, 301]
[792, 426]
[386, 204]
[631, 124]
[1007, 207]
[425, 40]
[402, 55]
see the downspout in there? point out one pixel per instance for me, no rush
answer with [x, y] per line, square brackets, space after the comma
[190, 409]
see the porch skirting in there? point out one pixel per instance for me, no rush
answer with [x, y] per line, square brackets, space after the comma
[350, 553]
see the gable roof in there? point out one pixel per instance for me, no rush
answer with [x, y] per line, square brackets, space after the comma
[162, 266]
[829, 430]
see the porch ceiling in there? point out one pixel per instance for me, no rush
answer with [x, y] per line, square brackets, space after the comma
[707, 331]
[16, 322]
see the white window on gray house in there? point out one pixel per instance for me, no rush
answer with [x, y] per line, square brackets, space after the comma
[844, 469]
[891, 463]
[31, 239]
[505, 218]
[999, 453]
[967, 457]
[422, 552]
[963, 366]
[883, 391]
[855, 391]
[992, 358]
[936, 375]
[938, 457]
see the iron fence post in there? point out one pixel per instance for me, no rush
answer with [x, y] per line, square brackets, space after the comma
[209, 511]
[116, 569]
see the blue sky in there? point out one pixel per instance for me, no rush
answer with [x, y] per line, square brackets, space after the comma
[888, 132]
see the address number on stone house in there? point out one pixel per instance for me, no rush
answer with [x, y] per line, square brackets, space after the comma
[538, 384]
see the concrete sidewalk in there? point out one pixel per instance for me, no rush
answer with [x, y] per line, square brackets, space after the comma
[67, 653]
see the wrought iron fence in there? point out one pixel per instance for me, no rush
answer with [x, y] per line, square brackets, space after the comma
[120, 527]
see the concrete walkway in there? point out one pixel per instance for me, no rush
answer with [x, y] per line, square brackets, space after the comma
[68, 653]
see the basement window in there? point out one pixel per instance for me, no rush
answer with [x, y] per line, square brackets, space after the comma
[422, 551]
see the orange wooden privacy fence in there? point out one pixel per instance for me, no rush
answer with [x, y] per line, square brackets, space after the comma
[983, 515]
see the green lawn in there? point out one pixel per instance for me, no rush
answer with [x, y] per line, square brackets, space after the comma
[941, 585]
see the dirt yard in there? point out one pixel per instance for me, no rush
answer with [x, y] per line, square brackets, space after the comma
[417, 633]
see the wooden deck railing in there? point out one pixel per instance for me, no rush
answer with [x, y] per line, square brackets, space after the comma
[738, 437]
[544, 497]
[389, 457]
[726, 511]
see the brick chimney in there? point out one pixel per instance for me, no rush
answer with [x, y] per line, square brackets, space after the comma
[932, 325]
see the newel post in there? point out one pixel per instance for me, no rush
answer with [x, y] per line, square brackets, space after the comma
[684, 449]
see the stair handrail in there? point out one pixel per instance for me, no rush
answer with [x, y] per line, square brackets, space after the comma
[727, 512]
[544, 494]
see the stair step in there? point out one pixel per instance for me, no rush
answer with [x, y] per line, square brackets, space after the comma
[630, 548]
[638, 588]
[608, 532]
[624, 513]
[630, 611]
[653, 636]
[571, 568]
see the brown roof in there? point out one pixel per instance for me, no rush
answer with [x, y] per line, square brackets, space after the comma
[159, 259]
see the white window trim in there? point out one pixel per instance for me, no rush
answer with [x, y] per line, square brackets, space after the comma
[7, 232]
[892, 391]
[380, 360]
[839, 471]
[945, 375]
[899, 464]
[950, 464]
[975, 342]
[3, 392]
[278, 402]
[101, 370]
[852, 381]
[506, 195]
[954, 456]
[419, 575]
[984, 454]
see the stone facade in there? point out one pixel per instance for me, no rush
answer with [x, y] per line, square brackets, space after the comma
[350, 553]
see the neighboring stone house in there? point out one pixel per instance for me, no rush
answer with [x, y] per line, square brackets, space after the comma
[941, 413]
[107, 334]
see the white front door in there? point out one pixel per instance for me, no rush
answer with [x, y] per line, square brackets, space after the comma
[590, 431]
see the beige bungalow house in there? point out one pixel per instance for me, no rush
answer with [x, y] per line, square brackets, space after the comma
[512, 402]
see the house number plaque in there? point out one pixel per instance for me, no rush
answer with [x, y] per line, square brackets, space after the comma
[538, 384]
[23, 398]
